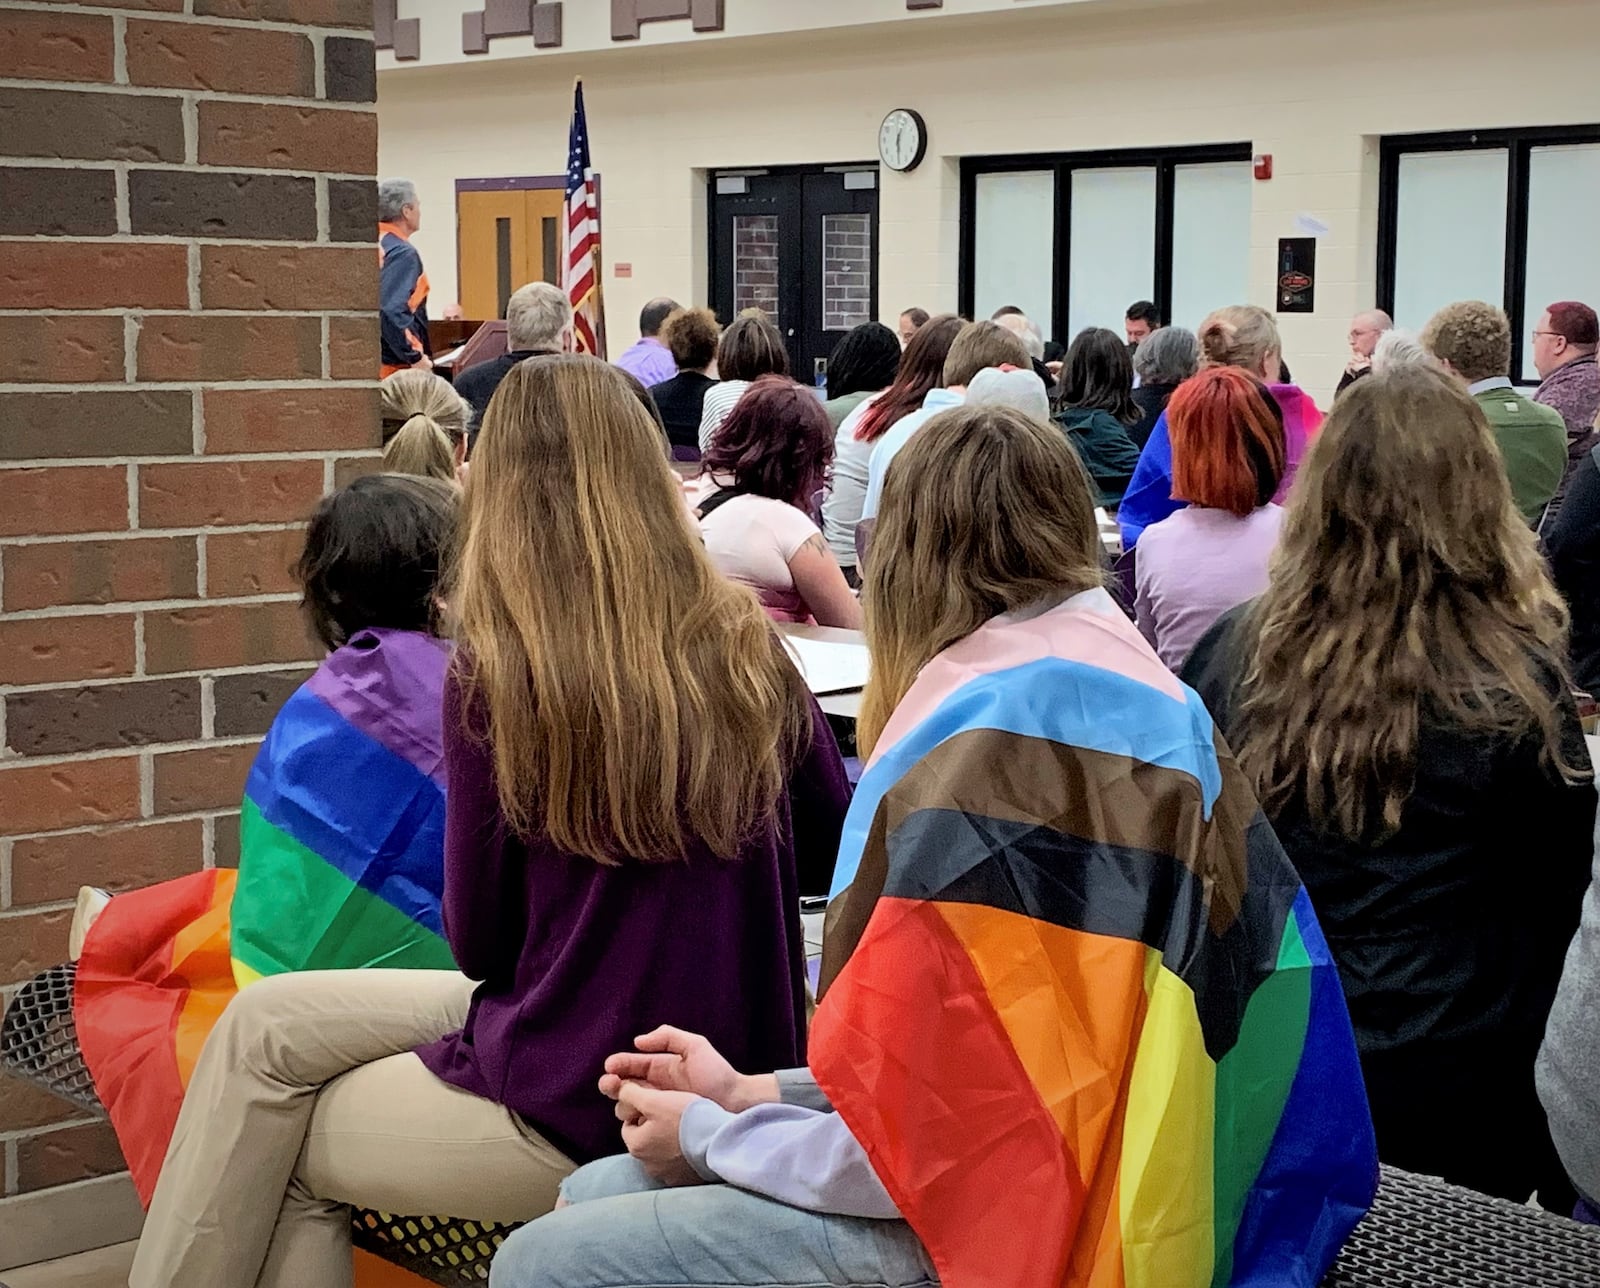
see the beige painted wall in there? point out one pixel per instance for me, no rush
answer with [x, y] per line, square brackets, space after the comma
[1314, 83]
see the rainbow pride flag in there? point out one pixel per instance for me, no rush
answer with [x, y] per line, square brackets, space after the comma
[1077, 1006]
[341, 839]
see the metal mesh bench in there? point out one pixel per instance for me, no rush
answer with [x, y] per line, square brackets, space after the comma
[1421, 1233]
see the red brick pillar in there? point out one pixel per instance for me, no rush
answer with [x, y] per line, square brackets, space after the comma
[188, 347]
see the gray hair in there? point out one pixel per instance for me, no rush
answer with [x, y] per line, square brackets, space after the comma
[536, 315]
[1168, 356]
[1026, 330]
[394, 195]
[1397, 349]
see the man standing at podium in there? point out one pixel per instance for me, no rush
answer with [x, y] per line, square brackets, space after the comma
[403, 290]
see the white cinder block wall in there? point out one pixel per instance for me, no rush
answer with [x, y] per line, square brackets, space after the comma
[1315, 83]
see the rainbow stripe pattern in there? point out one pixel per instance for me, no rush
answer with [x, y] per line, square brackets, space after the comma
[1077, 1006]
[341, 837]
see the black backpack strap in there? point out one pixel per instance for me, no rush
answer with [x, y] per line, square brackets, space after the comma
[717, 500]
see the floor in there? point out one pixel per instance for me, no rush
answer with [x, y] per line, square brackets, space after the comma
[106, 1268]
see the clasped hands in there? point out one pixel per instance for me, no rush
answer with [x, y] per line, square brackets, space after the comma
[655, 1084]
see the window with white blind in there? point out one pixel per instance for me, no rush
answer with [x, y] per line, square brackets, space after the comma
[1496, 215]
[1074, 239]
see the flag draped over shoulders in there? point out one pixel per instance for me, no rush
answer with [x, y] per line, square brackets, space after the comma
[341, 839]
[1077, 1006]
[341, 866]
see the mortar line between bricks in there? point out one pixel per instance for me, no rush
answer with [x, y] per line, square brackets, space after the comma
[138, 646]
[120, 310]
[119, 48]
[16, 1135]
[175, 167]
[191, 129]
[193, 258]
[173, 91]
[5, 872]
[174, 239]
[147, 784]
[193, 673]
[122, 201]
[319, 67]
[178, 458]
[133, 496]
[122, 608]
[187, 530]
[187, 816]
[191, 386]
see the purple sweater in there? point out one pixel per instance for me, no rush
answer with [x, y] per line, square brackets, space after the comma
[576, 959]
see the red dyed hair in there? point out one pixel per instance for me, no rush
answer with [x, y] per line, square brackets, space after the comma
[1575, 322]
[1228, 450]
[776, 442]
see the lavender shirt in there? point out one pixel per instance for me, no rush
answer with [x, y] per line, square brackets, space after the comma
[650, 361]
[577, 959]
[1194, 566]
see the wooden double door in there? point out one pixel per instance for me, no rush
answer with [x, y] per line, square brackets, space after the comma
[505, 239]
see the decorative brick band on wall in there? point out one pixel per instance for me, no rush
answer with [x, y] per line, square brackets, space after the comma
[188, 350]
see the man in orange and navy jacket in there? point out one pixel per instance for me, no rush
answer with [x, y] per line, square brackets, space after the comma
[403, 289]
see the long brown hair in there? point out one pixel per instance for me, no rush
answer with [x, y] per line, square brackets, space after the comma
[921, 370]
[985, 511]
[636, 701]
[1406, 589]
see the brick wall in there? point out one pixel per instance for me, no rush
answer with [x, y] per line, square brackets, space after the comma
[187, 353]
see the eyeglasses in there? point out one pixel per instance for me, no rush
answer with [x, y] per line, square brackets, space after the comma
[1552, 334]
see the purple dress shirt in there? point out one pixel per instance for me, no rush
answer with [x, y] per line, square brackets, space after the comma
[576, 959]
[649, 361]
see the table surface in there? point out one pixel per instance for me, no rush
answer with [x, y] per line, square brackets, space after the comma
[847, 705]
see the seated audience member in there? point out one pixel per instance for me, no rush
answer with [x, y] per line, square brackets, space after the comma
[1397, 348]
[424, 424]
[1162, 363]
[648, 360]
[1243, 336]
[1568, 1075]
[976, 347]
[1170, 1010]
[1027, 330]
[1211, 556]
[341, 849]
[1473, 340]
[1366, 329]
[640, 786]
[862, 364]
[1564, 347]
[1572, 542]
[691, 335]
[1096, 408]
[921, 371]
[1009, 387]
[754, 498]
[749, 349]
[538, 323]
[1142, 320]
[646, 399]
[912, 321]
[1399, 698]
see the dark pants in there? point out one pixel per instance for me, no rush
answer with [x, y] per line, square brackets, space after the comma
[1469, 1114]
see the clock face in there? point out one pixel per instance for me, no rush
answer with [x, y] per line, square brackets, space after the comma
[902, 139]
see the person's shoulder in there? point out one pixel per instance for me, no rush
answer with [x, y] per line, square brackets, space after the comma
[1215, 663]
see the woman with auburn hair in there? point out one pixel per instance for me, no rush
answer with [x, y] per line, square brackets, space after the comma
[750, 348]
[1227, 461]
[640, 790]
[1078, 1024]
[921, 370]
[424, 425]
[754, 498]
[1399, 699]
[1242, 336]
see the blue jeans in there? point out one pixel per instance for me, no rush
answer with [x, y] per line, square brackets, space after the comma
[625, 1231]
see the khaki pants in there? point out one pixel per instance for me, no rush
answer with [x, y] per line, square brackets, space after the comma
[306, 1100]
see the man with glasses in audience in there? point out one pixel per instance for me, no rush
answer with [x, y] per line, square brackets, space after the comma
[1564, 346]
[1366, 329]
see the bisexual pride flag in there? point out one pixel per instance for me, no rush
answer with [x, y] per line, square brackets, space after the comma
[341, 840]
[1076, 1004]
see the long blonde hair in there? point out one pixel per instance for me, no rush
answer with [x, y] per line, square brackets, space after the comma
[424, 420]
[636, 701]
[1407, 589]
[985, 511]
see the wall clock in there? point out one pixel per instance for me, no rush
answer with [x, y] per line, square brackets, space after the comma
[903, 140]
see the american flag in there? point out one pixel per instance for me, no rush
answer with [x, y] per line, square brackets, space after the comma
[581, 271]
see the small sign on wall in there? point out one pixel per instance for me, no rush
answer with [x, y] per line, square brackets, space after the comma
[622, 270]
[1297, 275]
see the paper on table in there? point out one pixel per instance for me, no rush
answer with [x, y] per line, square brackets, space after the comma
[829, 666]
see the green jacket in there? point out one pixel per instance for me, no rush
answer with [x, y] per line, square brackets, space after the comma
[1108, 452]
[1533, 439]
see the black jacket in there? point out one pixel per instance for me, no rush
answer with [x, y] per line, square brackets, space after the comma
[680, 402]
[478, 383]
[1151, 401]
[1573, 544]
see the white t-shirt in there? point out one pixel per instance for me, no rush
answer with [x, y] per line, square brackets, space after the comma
[841, 508]
[751, 539]
[720, 400]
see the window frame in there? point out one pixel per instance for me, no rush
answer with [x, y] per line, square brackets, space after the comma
[1518, 143]
[1165, 162]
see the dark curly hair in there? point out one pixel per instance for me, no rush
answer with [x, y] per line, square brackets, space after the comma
[776, 443]
[373, 556]
[864, 362]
